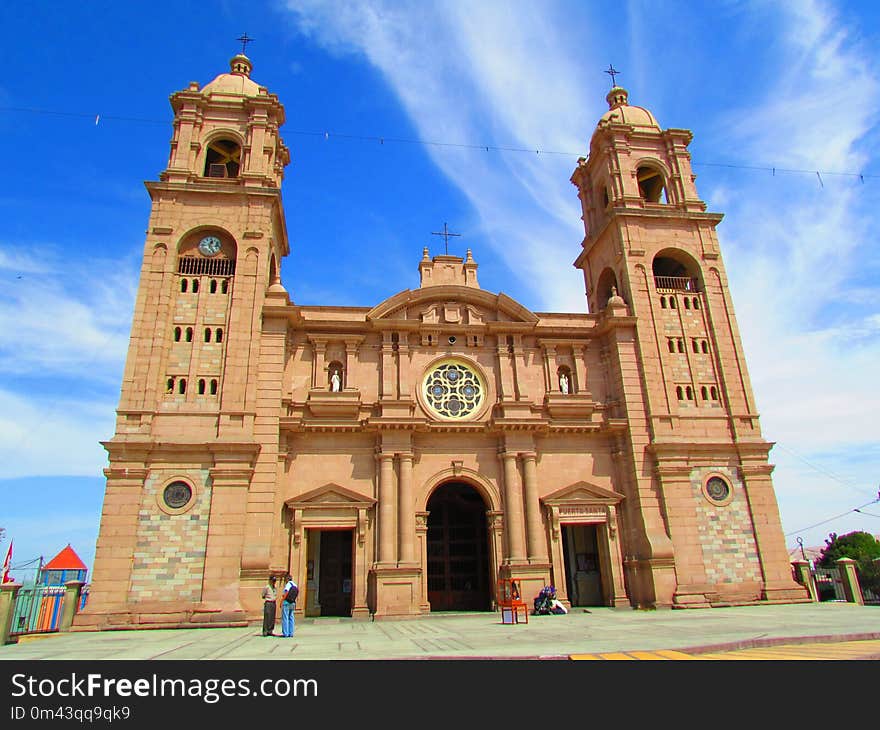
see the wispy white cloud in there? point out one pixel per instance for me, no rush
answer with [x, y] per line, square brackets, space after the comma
[792, 248]
[58, 436]
[484, 87]
[64, 317]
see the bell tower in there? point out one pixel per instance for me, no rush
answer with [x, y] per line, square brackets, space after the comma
[188, 458]
[702, 521]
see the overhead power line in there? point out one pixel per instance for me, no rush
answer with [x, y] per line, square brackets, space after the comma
[836, 517]
[381, 140]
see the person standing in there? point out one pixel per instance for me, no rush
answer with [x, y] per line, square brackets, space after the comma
[269, 598]
[288, 606]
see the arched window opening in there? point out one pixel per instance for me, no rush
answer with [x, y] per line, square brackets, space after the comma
[207, 334]
[687, 303]
[696, 303]
[195, 286]
[273, 269]
[606, 288]
[679, 392]
[201, 386]
[662, 302]
[169, 385]
[705, 347]
[672, 302]
[224, 286]
[177, 334]
[213, 386]
[183, 286]
[651, 186]
[680, 345]
[674, 270]
[695, 346]
[181, 386]
[690, 393]
[213, 286]
[189, 334]
[704, 392]
[223, 159]
[218, 335]
[335, 374]
[671, 344]
[563, 375]
[714, 392]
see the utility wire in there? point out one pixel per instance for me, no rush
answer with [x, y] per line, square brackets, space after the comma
[846, 483]
[434, 143]
[836, 517]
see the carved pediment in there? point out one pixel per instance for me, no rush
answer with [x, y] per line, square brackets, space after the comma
[452, 304]
[582, 493]
[330, 494]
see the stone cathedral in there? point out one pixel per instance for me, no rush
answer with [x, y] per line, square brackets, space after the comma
[399, 459]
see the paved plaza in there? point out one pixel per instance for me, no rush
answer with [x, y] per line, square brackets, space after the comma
[482, 635]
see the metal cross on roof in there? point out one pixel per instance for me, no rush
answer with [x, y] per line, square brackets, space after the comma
[446, 234]
[244, 41]
[612, 72]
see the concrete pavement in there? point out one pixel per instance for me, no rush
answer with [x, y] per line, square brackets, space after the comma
[480, 635]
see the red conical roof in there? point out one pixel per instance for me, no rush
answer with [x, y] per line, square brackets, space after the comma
[67, 559]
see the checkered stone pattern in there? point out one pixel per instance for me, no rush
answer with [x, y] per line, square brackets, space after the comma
[169, 557]
[726, 532]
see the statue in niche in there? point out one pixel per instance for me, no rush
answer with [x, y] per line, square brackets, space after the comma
[335, 380]
[563, 383]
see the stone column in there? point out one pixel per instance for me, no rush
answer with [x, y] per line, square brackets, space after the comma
[505, 369]
[350, 353]
[406, 511]
[319, 349]
[580, 370]
[72, 595]
[513, 515]
[850, 579]
[550, 369]
[8, 592]
[387, 366]
[387, 536]
[536, 543]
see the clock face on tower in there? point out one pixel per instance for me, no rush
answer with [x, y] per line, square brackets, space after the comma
[209, 245]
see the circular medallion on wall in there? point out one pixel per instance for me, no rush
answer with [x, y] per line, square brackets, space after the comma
[453, 390]
[176, 497]
[717, 490]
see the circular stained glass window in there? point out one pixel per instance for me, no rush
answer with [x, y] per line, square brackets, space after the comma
[453, 390]
[717, 489]
[177, 495]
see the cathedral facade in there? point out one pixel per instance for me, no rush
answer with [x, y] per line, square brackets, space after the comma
[402, 458]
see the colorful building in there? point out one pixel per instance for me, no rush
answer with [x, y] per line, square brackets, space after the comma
[402, 457]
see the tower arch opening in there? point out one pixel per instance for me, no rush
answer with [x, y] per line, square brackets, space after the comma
[652, 186]
[675, 270]
[606, 288]
[223, 158]
[459, 574]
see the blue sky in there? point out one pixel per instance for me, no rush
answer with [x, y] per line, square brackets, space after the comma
[792, 85]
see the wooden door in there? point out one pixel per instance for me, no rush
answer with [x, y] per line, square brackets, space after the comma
[334, 582]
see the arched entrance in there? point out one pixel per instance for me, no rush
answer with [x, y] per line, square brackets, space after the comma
[458, 550]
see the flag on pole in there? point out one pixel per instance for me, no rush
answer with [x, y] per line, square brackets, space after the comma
[7, 564]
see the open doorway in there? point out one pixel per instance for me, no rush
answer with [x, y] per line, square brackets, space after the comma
[583, 565]
[334, 563]
[458, 552]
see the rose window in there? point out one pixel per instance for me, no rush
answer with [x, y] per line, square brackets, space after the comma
[453, 390]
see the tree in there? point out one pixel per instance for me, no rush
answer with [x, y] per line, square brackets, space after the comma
[862, 547]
